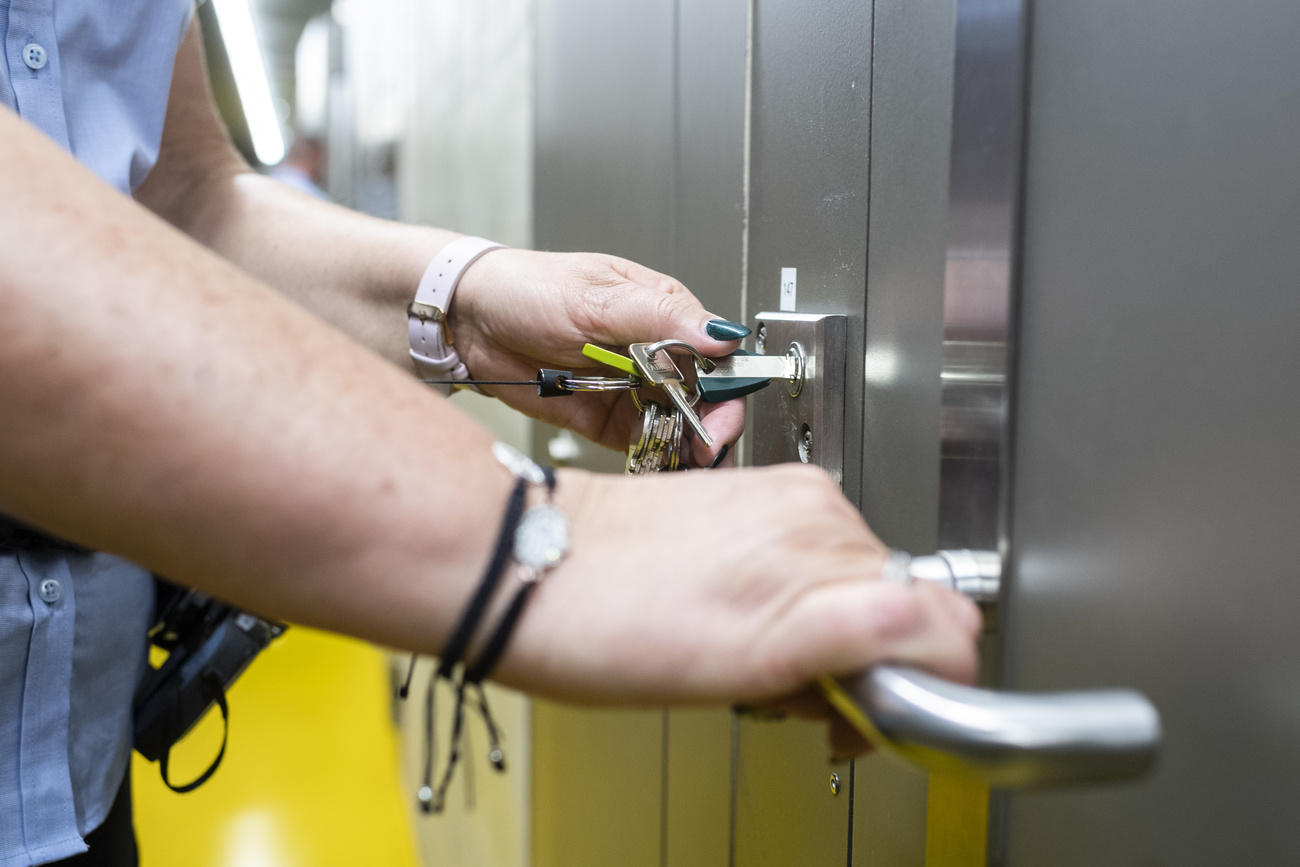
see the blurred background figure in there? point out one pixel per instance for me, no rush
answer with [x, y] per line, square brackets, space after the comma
[303, 166]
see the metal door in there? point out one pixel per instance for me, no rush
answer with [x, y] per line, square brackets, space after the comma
[809, 190]
[708, 256]
[602, 180]
[640, 152]
[1156, 459]
[851, 112]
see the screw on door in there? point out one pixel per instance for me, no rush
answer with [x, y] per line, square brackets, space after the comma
[805, 444]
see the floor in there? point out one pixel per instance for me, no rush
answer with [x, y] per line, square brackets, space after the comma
[311, 774]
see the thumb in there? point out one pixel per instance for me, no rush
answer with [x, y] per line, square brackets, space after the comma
[653, 306]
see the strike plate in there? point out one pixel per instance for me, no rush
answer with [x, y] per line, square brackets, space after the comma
[802, 420]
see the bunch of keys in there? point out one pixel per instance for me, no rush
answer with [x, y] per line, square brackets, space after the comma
[657, 445]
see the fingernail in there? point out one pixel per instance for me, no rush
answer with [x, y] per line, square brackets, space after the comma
[723, 329]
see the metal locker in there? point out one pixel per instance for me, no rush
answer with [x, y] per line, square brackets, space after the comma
[605, 105]
[850, 122]
[1063, 250]
[808, 192]
[708, 221]
[1156, 469]
[640, 153]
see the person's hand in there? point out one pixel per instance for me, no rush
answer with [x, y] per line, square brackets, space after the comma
[725, 586]
[519, 310]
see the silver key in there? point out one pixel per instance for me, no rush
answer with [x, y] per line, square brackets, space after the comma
[656, 443]
[658, 369]
[640, 453]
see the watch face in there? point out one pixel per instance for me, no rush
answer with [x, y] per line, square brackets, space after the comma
[542, 538]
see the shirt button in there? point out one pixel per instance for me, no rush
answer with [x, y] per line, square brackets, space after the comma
[51, 590]
[34, 56]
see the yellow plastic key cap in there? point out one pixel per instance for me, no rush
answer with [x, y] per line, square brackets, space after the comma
[612, 359]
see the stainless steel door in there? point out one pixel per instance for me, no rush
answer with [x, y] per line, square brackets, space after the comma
[809, 192]
[640, 153]
[602, 181]
[1156, 460]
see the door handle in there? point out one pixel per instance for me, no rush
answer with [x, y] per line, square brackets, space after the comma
[1004, 739]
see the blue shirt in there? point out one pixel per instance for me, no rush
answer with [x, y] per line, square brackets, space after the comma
[94, 77]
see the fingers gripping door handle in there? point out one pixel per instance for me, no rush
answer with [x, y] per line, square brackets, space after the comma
[1004, 739]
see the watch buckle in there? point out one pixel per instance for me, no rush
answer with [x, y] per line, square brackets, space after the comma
[425, 312]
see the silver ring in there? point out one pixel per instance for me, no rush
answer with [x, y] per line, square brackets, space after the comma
[706, 364]
[599, 383]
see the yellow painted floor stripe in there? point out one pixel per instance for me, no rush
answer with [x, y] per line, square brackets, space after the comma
[311, 776]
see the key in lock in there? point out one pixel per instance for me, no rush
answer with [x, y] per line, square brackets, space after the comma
[657, 368]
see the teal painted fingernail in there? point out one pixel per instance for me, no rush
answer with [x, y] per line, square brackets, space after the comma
[722, 329]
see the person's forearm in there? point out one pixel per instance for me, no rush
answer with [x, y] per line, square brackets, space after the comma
[355, 271]
[161, 404]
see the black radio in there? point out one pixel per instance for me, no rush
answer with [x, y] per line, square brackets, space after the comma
[208, 644]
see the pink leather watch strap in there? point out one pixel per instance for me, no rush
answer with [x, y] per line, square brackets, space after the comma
[433, 356]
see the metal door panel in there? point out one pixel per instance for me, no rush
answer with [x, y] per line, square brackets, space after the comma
[603, 174]
[604, 128]
[709, 179]
[911, 92]
[596, 793]
[1157, 475]
[708, 197]
[697, 780]
[810, 134]
[784, 810]
[810, 130]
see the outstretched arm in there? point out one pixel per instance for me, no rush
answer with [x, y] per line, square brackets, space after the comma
[163, 404]
[515, 310]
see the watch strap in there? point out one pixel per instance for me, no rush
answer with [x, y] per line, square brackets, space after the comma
[431, 351]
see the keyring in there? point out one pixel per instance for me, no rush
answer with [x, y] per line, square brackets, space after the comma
[706, 364]
[600, 383]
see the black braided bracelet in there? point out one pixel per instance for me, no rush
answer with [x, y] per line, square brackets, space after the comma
[515, 528]
[466, 625]
[478, 671]
[473, 673]
[487, 585]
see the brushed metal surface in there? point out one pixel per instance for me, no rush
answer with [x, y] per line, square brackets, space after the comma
[596, 794]
[603, 180]
[710, 134]
[806, 427]
[784, 811]
[1007, 739]
[809, 173]
[604, 128]
[707, 256]
[984, 201]
[1156, 462]
[640, 133]
[911, 118]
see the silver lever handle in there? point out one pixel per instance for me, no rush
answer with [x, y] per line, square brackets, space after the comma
[1010, 739]
[1002, 738]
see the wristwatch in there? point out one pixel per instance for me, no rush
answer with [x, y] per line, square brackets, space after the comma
[431, 351]
[542, 537]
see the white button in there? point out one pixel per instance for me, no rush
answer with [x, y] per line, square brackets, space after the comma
[51, 590]
[34, 56]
